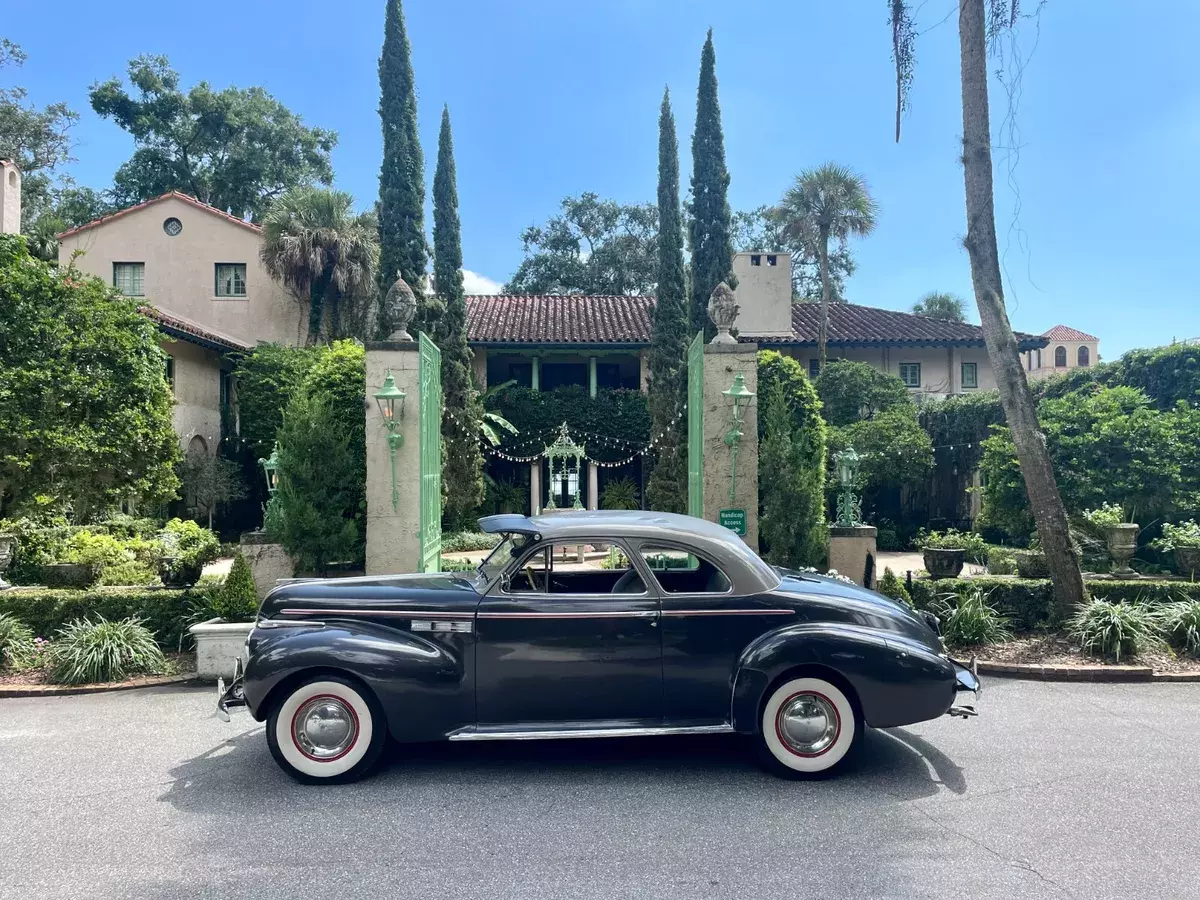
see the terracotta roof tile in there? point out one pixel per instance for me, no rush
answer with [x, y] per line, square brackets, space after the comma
[1063, 333]
[867, 325]
[191, 331]
[170, 195]
[558, 319]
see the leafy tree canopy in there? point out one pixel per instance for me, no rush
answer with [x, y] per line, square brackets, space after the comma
[592, 246]
[235, 149]
[854, 391]
[85, 411]
[939, 305]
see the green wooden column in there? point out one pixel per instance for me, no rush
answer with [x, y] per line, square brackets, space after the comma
[592, 376]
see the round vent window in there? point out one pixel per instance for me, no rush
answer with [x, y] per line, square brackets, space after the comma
[172, 226]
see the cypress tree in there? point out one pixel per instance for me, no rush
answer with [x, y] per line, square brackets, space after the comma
[402, 245]
[711, 229]
[667, 489]
[462, 463]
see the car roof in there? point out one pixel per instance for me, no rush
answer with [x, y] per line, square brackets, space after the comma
[744, 567]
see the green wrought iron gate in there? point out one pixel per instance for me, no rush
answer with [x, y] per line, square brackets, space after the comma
[429, 376]
[695, 419]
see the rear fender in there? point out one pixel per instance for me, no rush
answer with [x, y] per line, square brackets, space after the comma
[422, 685]
[891, 687]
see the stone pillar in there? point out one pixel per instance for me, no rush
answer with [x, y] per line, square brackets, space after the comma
[852, 553]
[643, 371]
[593, 486]
[721, 363]
[269, 562]
[393, 531]
[535, 487]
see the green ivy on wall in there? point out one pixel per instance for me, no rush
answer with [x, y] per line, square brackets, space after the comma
[613, 425]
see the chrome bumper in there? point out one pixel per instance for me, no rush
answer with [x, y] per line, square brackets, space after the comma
[966, 678]
[233, 696]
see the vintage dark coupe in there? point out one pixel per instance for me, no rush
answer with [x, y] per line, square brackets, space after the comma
[590, 624]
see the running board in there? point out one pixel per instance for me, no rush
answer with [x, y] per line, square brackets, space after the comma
[474, 733]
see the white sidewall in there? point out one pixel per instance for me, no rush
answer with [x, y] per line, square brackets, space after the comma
[839, 748]
[287, 745]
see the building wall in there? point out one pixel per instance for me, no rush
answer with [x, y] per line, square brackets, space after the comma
[10, 198]
[197, 393]
[180, 275]
[941, 367]
[1043, 367]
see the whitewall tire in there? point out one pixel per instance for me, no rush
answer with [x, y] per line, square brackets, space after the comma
[808, 727]
[327, 730]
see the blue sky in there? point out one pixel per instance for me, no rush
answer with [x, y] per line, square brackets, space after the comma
[550, 98]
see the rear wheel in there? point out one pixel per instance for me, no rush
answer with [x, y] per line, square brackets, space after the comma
[808, 727]
[326, 730]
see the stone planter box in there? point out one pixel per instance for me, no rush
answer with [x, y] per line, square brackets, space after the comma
[943, 562]
[70, 575]
[1032, 564]
[218, 644]
[1187, 561]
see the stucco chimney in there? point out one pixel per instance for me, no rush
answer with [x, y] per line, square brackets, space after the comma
[764, 293]
[10, 197]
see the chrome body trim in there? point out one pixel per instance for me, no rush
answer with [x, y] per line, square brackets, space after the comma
[728, 612]
[534, 734]
[585, 614]
[387, 613]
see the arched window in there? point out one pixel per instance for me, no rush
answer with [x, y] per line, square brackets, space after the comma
[1060, 356]
[1082, 357]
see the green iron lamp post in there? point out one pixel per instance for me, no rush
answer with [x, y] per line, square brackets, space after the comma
[388, 398]
[849, 504]
[270, 467]
[741, 397]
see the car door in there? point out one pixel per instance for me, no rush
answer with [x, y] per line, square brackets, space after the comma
[569, 634]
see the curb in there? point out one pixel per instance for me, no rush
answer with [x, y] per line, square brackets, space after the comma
[1035, 672]
[61, 690]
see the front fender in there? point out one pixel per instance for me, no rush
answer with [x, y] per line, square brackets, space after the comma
[422, 685]
[895, 684]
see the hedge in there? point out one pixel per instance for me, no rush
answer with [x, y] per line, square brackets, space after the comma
[1029, 602]
[165, 611]
[612, 424]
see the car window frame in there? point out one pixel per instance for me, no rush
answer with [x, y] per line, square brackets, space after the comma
[676, 545]
[545, 546]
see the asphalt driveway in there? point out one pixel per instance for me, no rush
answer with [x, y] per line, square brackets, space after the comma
[1088, 791]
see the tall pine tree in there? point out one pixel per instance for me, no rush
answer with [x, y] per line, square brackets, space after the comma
[462, 463]
[711, 228]
[667, 489]
[402, 246]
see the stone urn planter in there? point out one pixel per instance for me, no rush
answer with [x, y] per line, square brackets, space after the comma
[943, 562]
[1122, 544]
[1032, 564]
[1187, 561]
[7, 543]
[218, 644]
[70, 575]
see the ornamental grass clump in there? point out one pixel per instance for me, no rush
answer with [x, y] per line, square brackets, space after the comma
[17, 646]
[968, 620]
[93, 651]
[1113, 630]
[1180, 622]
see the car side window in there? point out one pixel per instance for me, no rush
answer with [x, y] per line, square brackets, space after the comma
[576, 568]
[680, 572]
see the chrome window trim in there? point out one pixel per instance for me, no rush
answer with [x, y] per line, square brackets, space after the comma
[663, 593]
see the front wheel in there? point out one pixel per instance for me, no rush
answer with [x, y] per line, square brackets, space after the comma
[808, 727]
[327, 730]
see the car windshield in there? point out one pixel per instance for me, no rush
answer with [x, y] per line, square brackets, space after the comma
[492, 567]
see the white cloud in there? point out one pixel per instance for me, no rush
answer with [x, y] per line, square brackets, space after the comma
[474, 283]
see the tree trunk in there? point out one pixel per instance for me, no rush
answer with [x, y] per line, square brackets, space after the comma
[823, 329]
[316, 309]
[1019, 407]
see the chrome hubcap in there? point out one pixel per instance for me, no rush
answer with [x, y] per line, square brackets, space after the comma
[808, 724]
[324, 728]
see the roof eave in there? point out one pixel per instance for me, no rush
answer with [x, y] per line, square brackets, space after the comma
[560, 345]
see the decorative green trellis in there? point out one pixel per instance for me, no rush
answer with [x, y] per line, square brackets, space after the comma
[566, 450]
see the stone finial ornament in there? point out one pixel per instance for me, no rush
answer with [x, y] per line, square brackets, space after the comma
[723, 310]
[401, 305]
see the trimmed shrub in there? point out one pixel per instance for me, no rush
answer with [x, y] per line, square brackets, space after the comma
[237, 598]
[16, 642]
[133, 561]
[463, 541]
[1181, 624]
[164, 611]
[191, 546]
[1113, 630]
[458, 565]
[1001, 561]
[891, 586]
[90, 652]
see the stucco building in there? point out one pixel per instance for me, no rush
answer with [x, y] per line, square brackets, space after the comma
[1066, 348]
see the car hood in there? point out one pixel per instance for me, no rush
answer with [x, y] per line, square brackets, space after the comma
[427, 591]
[819, 597]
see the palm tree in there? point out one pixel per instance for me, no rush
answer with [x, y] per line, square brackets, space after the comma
[830, 201]
[321, 250]
[938, 305]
